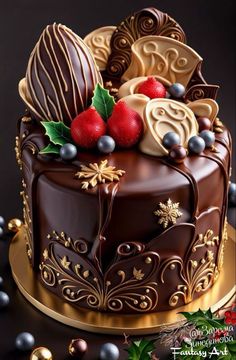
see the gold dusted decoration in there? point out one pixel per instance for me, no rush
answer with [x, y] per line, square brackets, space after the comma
[168, 213]
[14, 225]
[110, 323]
[197, 276]
[18, 152]
[26, 119]
[218, 126]
[27, 221]
[98, 174]
[41, 353]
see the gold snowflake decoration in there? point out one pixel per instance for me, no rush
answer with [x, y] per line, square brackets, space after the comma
[168, 213]
[98, 174]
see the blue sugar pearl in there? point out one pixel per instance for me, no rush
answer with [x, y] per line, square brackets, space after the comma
[68, 152]
[1, 281]
[2, 221]
[232, 194]
[106, 144]
[24, 341]
[4, 299]
[170, 139]
[109, 351]
[177, 90]
[208, 136]
[196, 144]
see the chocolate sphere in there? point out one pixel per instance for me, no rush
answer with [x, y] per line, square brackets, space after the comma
[2, 221]
[208, 136]
[61, 75]
[109, 351]
[41, 353]
[4, 299]
[78, 348]
[204, 123]
[177, 154]
[106, 144]
[196, 144]
[68, 152]
[170, 139]
[24, 341]
[232, 194]
[177, 90]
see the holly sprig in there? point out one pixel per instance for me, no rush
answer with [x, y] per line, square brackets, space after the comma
[141, 349]
[103, 102]
[205, 321]
[59, 135]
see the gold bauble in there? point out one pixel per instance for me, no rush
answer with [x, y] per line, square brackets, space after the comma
[41, 353]
[14, 225]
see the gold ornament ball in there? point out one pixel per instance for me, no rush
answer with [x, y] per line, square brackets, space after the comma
[14, 225]
[41, 353]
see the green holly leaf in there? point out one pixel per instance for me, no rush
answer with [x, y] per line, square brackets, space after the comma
[57, 131]
[204, 319]
[51, 149]
[103, 102]
[141, 350]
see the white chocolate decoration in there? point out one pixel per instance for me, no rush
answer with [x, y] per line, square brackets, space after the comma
[162, 56]
[137, 102]
[204, 107]
[99, 43]
[162, 116]
[131, 87]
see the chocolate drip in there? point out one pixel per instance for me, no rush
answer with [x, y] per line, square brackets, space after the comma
[149, 21]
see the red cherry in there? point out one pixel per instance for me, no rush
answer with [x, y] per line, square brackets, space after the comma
[152, 88]
[233, 314]
[87, 128]
[204, 123]
[228, 313]
[228, 321]
[125, 125]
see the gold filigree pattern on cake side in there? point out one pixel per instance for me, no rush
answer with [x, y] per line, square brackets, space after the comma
[162, 56]
[218, 126]
[162, 116]
[26, 119]
[80, 246]
[204, 107]
[80, 282]
[99, 43]
[168, 212]
[221, 250]
[197, 275]
[27, 222]
[18, 152]
[98, 174]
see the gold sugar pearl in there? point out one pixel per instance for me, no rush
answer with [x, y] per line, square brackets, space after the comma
[14, 225]
[41, 353]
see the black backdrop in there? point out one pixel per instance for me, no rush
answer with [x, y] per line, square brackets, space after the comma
[210, 31]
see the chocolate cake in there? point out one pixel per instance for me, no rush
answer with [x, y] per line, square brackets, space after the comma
[125, 167]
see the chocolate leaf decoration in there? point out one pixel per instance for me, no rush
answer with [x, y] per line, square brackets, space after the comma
[58, 132]
[103, 102]
[51, 149]
[141, 350]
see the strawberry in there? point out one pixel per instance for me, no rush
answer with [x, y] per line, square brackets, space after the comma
[125, 125]
[152, 88]
[87, 128]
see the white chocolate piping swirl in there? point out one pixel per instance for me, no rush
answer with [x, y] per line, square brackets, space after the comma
[99, 43]
[162, 116]
[162, 56]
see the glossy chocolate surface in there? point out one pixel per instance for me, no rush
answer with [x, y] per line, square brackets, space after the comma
[115, 226]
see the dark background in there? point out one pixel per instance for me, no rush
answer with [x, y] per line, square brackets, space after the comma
[210, 30]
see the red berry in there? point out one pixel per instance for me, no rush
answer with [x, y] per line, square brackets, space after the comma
[125, 125]
[228, 313]
[204, 123]
[87, 128]
[152, 88]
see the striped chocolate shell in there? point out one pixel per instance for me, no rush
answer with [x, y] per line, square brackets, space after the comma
[61, 76]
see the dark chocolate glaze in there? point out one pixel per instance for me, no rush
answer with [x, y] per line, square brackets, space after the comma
[118, 258]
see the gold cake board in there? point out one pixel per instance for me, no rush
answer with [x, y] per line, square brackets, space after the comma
[94, 321]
